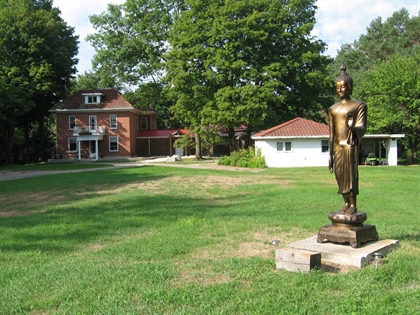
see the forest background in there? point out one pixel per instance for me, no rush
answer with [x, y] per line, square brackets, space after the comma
[205, 66]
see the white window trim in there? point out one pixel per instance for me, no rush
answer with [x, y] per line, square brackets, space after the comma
[95, 98]
[328, 151]
[110, 122]
[284, 147]
[96, 123]
[68, 144]
[118, 145]
[141, 123]
[92, 99]
[70, 128]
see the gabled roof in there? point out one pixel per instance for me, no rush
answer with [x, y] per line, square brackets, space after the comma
[298, 127]
[160, 133]
[111, 100]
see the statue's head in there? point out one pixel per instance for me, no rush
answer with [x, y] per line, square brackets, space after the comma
[344, 79]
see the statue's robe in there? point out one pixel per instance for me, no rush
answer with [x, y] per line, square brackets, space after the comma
[345, 142]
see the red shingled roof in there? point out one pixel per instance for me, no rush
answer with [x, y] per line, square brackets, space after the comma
[110, 99]
[298, 127]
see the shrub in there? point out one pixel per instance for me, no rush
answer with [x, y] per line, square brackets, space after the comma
[244, 158]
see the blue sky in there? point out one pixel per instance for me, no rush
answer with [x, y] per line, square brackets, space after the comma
[338, 21]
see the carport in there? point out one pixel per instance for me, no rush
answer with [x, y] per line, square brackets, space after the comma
[385, 146]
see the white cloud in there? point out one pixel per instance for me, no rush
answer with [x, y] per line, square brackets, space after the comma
[340, 21]
[76, 13]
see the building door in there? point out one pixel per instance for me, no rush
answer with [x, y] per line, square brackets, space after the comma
[92, 149]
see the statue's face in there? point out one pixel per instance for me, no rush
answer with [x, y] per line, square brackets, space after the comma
[342, 89]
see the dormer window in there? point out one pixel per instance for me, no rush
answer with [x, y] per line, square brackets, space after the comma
[92, 98]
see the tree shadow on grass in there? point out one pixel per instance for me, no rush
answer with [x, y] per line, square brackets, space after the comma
[71, 226]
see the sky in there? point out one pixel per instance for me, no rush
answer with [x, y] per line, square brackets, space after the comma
[338, 21]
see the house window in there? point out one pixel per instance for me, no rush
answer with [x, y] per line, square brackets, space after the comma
[72, 122]
[72, 145]
[92, 99]
[285, 146]
[144, 123]
[113, 144]
[325, 146]
[113, 121]
[92, 123]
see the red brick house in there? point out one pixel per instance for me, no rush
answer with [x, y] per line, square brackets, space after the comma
[100, 123]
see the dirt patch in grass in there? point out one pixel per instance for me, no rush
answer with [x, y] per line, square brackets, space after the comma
[15, 205]
[15, 213]
[95, 246]
[203, 185]
[201, 275]
[198, 266]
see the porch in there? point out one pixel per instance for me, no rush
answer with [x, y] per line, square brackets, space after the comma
[91, 134]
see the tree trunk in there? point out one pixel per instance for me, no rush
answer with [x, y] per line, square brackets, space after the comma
[198, 155]
[9, 137]
[248, 137]
[414, 148]
[232, 145]
[27, 144]
[41, 126]
[414, 158]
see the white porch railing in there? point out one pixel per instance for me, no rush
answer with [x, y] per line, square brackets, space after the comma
[83, 130]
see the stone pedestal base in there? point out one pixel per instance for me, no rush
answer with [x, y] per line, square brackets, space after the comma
[343, 233]
[342, 255]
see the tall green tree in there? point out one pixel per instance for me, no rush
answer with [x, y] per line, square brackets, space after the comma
[130, 41]
[251, 63]
[400, 33]
[153, 94]
[393, 96]
[85, 81]
[37, 51]
[383, 64]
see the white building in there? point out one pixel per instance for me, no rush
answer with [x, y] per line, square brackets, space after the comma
[301, 142]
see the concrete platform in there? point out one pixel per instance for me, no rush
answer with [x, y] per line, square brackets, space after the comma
[344, 254]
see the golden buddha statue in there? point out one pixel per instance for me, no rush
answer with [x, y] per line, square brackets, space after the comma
[347, 122]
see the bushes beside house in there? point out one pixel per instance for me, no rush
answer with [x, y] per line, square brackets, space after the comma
[244, 158]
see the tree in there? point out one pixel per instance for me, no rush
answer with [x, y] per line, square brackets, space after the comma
[86, 81]
[37, 51]
[251, 63]
[130, 41]
[154, 94]
[384, 64]
[398, 34]
[393, 92]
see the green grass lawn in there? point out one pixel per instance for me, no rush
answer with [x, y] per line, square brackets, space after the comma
[165, 240]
